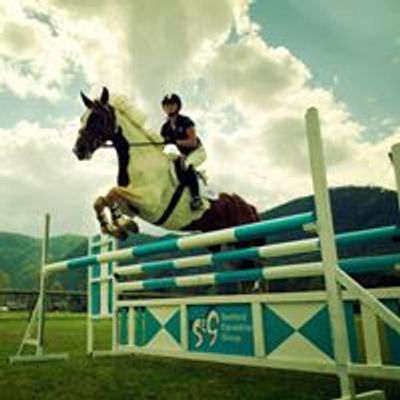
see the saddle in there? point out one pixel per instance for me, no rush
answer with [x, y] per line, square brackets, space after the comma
[173, 153]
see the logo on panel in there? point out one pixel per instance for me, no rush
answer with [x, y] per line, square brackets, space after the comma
[222, 329]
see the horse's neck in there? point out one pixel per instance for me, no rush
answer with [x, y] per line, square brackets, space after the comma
[147, 164]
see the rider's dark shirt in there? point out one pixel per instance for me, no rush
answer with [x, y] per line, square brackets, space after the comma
[180, 132]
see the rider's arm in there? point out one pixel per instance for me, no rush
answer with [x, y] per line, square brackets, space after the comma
[164, 134]
[191, 138]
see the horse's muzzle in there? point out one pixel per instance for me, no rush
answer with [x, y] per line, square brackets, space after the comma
[81, 153]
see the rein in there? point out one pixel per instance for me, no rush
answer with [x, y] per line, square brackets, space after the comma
[136, 144]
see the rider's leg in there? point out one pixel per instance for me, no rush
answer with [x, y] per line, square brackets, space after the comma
[186, 174]
[193, 160]
[180, 170]
[187, 177]
[194, 189]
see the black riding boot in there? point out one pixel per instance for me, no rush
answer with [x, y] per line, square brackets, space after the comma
[188, 177]
[194, 189]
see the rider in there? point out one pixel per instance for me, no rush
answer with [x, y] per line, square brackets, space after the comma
[180, 130]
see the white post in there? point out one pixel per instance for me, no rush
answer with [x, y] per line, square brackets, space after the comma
[131, 326]
[184, 327]
[395, 157]
[42, 287]
[89, 321]
[370, 331]
[258, 329]
[115, 310]
[329, 254]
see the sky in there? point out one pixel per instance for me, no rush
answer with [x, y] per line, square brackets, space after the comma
[246, 70]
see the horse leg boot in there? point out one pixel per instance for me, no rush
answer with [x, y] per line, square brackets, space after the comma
[99, 205]
[105, 226]
[115, 198]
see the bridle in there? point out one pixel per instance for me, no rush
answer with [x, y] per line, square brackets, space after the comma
[117, 129]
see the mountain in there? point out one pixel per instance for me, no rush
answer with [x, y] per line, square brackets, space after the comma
[20, 256]
[17, 252]
[354, 208]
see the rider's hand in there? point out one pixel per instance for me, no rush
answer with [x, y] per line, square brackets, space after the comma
[169, 141]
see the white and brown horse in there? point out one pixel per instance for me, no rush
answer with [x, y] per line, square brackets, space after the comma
[145, 185]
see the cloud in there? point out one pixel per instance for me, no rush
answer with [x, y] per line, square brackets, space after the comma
[144, 47]
[248, 99]
[255, 75]
[270, 90]
[39, 173]
[33, 61]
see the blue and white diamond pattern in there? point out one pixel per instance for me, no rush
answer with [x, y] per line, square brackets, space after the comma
[158, 328]
[298, 332]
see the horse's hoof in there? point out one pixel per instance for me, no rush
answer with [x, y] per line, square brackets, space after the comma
[121, 234]
[132, 226]
[105, 230]
[117, 222]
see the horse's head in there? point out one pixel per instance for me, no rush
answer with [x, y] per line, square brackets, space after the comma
[98, 126]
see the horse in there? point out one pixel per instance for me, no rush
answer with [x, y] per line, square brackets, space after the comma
[147, 186]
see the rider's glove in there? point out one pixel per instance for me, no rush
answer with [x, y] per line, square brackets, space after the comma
[169, 141]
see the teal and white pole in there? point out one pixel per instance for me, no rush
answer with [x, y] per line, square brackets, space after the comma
[222, 236]
[359, 265]
[251, 253]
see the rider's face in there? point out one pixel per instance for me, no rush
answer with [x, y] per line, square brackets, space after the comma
[170, 108]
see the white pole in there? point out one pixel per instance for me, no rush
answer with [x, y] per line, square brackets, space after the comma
[42, 287]
[329, 254]
[395, 157]
[115, 310]
[89, 321]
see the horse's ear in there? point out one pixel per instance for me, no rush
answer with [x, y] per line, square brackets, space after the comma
[86, 101]
[104, 96]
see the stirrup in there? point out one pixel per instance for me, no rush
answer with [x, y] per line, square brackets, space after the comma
[196, 203]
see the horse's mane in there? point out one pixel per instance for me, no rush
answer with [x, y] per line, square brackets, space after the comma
[134, 115]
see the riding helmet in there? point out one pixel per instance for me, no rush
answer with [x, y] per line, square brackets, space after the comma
[172, 99]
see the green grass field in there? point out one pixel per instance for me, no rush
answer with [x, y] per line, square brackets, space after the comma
[150, 378]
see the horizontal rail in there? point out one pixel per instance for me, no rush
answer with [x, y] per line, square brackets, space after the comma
[282, 364]
[31, 292]
[35, 358]
[222, 236]
[251, 253]
[206, 260]
[375, 371]
[351, 265]
[264, 297]
[217, 278]
[367, 235]
[386, 262]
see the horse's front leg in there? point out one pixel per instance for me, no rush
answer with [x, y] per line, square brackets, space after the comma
[99, 207]
[116, 198]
